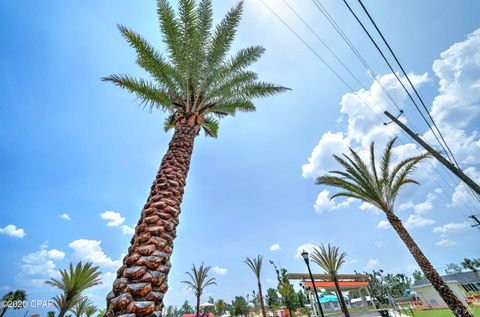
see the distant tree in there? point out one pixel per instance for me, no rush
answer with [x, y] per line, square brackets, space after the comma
[330, 260]
[186, 308]
[72, 283]
[397, 284]
[90, 310]
[471, 264]
[102, 312]
[14, 296]
[255, 265]
[302, 299]
[51, 314]
[285, 289]
[80, 307]
[211, 300]
[418, 275]
[255, 300]
[272, 298]
[453, 268]
[198, 281]
[239, 306]
[220, 307]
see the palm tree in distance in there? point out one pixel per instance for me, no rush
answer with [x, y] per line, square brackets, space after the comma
[380, 187]
[72, 283]
[330, 260]
[81, 306]
[90, 310]
[196, 83]
[256, 266]
[198, 281]
[18, 296]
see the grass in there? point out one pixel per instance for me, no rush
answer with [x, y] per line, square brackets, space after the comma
[441, 312]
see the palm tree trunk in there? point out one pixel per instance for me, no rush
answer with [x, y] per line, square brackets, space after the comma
[62, 312]
[457, 307]
[198, 306]
[142, 280]
[260, 294]
[4, 310]
[343, 306]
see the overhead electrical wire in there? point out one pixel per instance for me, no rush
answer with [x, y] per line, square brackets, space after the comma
[331, 68]
[398, 78]
[408, 79]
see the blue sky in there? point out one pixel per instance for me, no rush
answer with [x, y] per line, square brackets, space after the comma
[73, 145]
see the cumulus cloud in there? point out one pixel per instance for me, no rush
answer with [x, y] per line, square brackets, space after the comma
[13, 231]
[65, 217]
[449, 227]
[426, 206]
[418, 221]
[323, 202]
[309, 247]
[445, 243]
[275, 247]
[91, 251]
[128, 230]
[372, 264]
[383, 224]
[114, 218]
[462, 195]
[406, 205]
[39, 266]
[219, 270]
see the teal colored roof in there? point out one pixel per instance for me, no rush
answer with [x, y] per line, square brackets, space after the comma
[328, 298]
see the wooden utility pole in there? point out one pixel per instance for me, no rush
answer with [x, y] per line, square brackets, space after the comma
[467, 180]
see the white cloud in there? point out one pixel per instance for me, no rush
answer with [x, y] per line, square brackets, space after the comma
[13, 231]
[321, 159]
[91, 251]
[384, 225]
[65, 217]
[462, 195]
[275, 247]
[39, 266]
[418, 221]
[372, 264]
[378, 244]
[128, 230]
[445, 243]
[451, 227]
[425, 206]
[353, 261]
[114, 218]
[323, 202]
[406, 206]
[220, 270]
[309, 247]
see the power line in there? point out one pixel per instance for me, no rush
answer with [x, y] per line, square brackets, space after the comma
[408, 79]
[396, 76]
[338, 75]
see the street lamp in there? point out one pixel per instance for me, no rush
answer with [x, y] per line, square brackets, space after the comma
[307, 262]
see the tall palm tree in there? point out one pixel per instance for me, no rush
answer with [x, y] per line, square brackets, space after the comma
[19, 295]
[91, 310]
[256, 266]
[72, 283]
[380, 187]
[198, 281]
[330, 260]
[196, 83]
[81, 306]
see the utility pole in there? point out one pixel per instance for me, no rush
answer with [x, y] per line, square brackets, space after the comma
[475, 218]
[467, 180]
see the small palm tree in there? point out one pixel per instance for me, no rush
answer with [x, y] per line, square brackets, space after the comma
[72, 283]
[380, 187]
[19, 295]
[51, 314]
[198, 281]
[256, 266]
[195, 83]
[91, 310]
[330, 260]
[80, 307]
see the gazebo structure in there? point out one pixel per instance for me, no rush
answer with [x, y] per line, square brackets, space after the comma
[324, 283]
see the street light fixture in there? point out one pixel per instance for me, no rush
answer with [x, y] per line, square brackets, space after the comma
[307, 262]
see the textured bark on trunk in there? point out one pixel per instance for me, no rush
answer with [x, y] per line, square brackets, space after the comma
[457, 307]
[142, 280]
[343, 306]
[260, 294]
[198, 306]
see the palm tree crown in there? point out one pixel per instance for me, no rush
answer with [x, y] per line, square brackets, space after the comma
[255, 265]
[379, 187]
[196, 82]
[199, 279]
[81, 306]
[329, 259]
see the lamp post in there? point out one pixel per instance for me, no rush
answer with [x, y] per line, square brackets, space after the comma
[307, 262]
